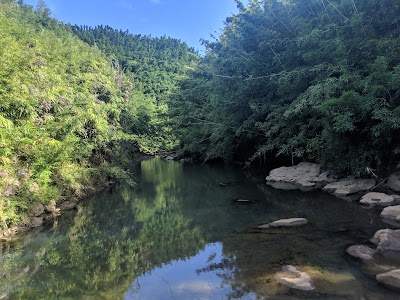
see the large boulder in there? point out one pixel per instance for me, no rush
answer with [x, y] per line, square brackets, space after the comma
[379, 199]
[304, 176]
[394, 182]
[391, 213]
[387, 239]
[293, 222]
[347, 187]
[390, 279]
[361, 251]
[295, 279]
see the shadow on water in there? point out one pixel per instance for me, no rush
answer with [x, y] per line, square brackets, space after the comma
[181, 234]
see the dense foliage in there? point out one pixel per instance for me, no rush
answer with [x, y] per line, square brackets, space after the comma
[313, 79]
[69, 116]
[155, 63]
[155, 66]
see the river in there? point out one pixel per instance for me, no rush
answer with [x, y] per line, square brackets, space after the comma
[181, 234]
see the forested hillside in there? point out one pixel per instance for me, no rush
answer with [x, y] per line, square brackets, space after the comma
[70, 118]
[315, 80]
[155, 63]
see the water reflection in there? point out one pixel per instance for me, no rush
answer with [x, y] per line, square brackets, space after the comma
[180, 234]
[199, 277]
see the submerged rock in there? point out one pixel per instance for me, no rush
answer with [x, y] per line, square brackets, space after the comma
[387, 239]
[379, 199]
[295, 279]
[391, 213]
[390, 279]
[243, 201]
[361, 251]
[347, 187]
[304, 176]
[293, 222]
[394, 182]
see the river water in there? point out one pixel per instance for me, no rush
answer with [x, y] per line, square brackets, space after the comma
[181, 234]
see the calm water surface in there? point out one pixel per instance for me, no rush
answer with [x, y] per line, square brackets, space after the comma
[179, 234]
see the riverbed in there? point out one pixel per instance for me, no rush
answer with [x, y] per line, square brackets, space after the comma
[180, 233]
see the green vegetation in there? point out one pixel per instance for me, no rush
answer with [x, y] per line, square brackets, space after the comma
[154, 66]
[70, 118]
[288, 80]
[93, 256]
[315, 79]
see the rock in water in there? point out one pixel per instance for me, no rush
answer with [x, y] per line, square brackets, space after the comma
[294, 222]
[295, 279]
[390, 279]
[348, 187]
[304, 176]
[243, 201]
[387, 239]
[391, 213]
[360, 251]
[381, 199]
[394, 182]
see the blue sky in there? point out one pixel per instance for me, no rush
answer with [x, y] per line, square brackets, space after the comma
[188, 20]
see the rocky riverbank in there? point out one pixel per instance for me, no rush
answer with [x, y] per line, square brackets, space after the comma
[380, 257]
[42, 213]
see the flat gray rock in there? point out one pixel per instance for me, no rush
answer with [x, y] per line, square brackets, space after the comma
[361, 251]
[295, 279]
[379, 199]
[387, 239]
[293, 222]
[304, 176]
[390, 279]
[348, 187]
[391, 213]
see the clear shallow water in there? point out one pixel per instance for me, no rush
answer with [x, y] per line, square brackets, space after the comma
[179, 234]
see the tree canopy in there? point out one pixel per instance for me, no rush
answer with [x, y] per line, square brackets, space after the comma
[70, 117]
[299, 80]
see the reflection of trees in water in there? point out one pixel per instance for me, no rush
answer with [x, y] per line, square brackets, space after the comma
[106, 245]
[228, 271]
[172, 213]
